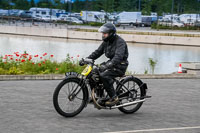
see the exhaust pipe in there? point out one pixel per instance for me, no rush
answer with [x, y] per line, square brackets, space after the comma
[128, 104]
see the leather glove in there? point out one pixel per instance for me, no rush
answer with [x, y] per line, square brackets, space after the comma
[107, 65]
[102, 68]
[82, 62]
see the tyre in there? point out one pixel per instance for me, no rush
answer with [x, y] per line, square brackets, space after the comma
[131, 24]
[134, 85]
[69, 97]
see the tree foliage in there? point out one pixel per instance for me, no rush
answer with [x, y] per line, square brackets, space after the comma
[147, 6]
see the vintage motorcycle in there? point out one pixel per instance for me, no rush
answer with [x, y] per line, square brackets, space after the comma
[73, 93]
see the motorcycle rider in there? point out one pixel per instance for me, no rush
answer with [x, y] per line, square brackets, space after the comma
[114, 48]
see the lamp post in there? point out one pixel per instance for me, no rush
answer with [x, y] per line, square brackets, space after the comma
[172, 11]
[139, 5]
[70, 2]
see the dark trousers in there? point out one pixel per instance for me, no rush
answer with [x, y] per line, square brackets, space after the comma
[107, 77]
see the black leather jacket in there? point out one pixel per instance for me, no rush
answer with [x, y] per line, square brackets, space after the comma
[116, 50]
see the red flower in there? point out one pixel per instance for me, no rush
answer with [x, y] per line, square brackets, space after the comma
[43, 62]
[23, 60]
[39, 64]
[30, 57]
[33, 63]
[17, 55]
[51, 55]
[40, 57]
[78, 55]
[36, 55]
[72, 57]
[11, 58]
[56, 68]
[4, 57]
[16, 59]
[44, 54]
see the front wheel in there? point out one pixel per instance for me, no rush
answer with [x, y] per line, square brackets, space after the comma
[70, 97]
[136, 92]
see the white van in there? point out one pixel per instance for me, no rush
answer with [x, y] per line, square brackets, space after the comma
[129, 18]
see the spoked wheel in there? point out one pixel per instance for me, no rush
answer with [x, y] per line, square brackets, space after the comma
[69, 97]
[136, 93]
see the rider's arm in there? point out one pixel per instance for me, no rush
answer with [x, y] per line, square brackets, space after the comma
[97, 53]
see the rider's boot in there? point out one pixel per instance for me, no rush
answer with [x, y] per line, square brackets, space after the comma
[112, 101]
[100, 102]
[113, 97]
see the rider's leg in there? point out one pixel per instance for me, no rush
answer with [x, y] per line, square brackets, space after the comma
[107, 79]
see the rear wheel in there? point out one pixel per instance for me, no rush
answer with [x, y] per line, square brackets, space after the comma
[69, 97]
[137, 92]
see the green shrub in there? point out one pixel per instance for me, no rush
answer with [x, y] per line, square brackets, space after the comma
[25, 64]
[96, 24]
[2, 71]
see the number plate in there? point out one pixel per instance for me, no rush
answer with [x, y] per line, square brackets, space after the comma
[71, 74]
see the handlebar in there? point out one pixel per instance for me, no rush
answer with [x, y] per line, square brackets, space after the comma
[86, 62]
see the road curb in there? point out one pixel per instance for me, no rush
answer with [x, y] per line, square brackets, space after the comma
[32, 77]
[62, 76]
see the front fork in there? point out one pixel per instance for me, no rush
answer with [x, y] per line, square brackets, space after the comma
[77, 90]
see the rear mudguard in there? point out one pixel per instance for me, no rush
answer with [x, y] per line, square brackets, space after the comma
[142, 85]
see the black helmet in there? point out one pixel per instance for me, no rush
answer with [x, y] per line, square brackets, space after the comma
[108, 28]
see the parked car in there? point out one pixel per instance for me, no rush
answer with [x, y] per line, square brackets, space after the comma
[174, 23]
[189, 19]
[26, 14]
[54, 18]
[63, 17]
[3, 12]
[46, 18]
[177, 24]
[93, 16]
[73, 20]
[15, 12]
[148, 20]
[37, 18]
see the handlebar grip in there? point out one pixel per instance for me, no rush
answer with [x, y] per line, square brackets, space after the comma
[89, 61]
[82, 62]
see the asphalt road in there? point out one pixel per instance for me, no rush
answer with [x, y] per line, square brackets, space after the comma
[26, 107]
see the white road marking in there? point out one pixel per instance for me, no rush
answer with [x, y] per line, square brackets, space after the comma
[161, 129]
